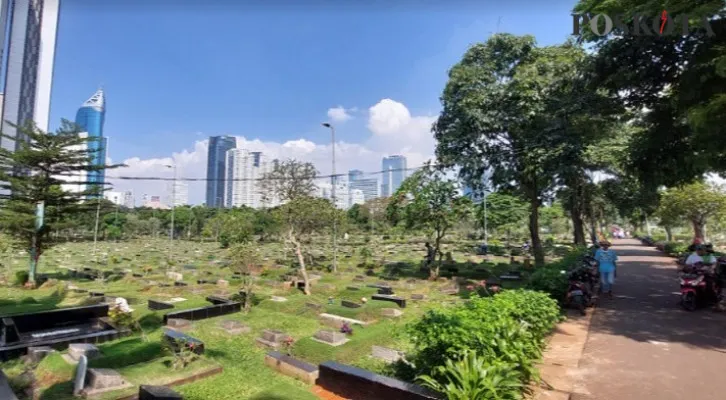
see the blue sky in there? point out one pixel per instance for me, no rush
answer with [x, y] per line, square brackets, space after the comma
[177, 72]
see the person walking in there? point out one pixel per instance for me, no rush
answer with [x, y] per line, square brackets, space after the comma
[607, 265]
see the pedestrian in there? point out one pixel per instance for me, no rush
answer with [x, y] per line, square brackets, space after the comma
[607, 265]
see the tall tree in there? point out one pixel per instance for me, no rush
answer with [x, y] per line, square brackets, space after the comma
[292, 182]
[503, 212]
[501, 113]
[677, 81]
[697, 202]
[427, 200]
[31, 178]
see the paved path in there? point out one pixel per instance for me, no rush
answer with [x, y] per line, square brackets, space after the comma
[642, 346]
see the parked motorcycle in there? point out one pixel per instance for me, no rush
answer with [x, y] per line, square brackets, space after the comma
[700, 286]
[579, 291]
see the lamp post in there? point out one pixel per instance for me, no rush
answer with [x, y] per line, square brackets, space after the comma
[173, 204]
[335, 200]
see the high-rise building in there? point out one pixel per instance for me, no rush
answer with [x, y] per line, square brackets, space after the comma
[369, 186]
[354, 175]
[394, 173]
[129, 201]
[76, 182]
[90, 118]
[27, 52]
[245, 169]
[216, 162]
[178, 194]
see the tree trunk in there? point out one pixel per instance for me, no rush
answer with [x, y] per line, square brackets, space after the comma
[669, 233]
[539, 259]
[34, 256]
[698, 229]
[436, 265]
[301, 259]
[577, 228]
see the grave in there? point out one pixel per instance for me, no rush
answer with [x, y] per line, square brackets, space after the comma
[148, 392]
[332, 338]
[391, 312]
[272, 338]
[222, 283]
[234, 327]
[159, 305]
[221, 306]
[76, 350]
[96, 294]
[176, 338]
[386, 354]
[449, 290]
[36, 354]
[511, 276]
[178, 323]
[385, 290]
[350, 304]
[180, 283]
[353, 287]
[337, 321]
[278, 299]
[99, 380]
[418, 296]
[356, 383]
[359, 279]
[79, 382]
[289, 366]
[55, 328]
[314, 306]
[398, 300]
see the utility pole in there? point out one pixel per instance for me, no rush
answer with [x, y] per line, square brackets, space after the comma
[173, 204]
[95, 230]
[335, 201]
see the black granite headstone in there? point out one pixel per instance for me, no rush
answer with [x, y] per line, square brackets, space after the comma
[148, 392]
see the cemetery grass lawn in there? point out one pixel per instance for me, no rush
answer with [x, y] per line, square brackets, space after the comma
[245, 374]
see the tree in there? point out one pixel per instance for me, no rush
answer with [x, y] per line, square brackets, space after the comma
[265, 224]
[237, 227]
[377, 210]
[696, 202]
[31, 178]
[678, 81]
[501, 114]
[428, 201]
[503, 211]
[292, 182]
[243, 258]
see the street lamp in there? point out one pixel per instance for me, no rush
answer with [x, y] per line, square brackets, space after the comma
[335, 201]
[173, 203]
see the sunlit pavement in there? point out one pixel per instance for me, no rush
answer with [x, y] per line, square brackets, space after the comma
[641, 344]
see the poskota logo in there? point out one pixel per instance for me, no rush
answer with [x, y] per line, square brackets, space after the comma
[662, 24]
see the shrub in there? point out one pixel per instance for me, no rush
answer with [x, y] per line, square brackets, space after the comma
[515, 251]
[507, 328]
[549, 280]
[675, 248]
[473, 378]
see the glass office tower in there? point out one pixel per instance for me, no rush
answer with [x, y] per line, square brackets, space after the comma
[90, 118]
[216, 158]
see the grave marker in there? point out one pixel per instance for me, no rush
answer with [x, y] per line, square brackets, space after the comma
[386, 354]
[350, 304]
[80, 380]
[398, 300]
[391, 312]
[332, 338]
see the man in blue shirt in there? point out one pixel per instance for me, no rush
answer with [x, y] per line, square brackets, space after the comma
[606, 259]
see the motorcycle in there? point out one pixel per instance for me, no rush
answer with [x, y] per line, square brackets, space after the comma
[579, 291]
[699, 286]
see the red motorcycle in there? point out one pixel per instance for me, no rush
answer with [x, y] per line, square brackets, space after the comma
[700, 286]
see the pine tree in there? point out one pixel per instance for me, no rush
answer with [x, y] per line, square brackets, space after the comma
[30, 184]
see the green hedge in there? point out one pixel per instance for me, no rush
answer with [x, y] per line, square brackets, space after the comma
[675, 248]
[508, 328]
[551, 280]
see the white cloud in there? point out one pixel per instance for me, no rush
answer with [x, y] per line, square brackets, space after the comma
[340, 114]
[393, 131]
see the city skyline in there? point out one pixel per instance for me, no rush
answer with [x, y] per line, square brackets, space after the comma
[394, 173]
[90, 118]
[216, 162]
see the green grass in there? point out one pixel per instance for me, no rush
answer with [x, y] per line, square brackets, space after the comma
[245, 375]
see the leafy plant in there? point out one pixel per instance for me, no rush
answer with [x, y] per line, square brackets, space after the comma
[346, 328]
[182, 352]
[21, 277]
[473, 378]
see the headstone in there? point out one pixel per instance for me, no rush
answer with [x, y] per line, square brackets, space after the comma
[386, 354]
[391, 312]
[418, 296]
[176, 276]
[359, 279]
[349, 304]
[148, 392]
[449, 291]
[180, 283]
[314, 306]
[80, 381]
[178, 323]
[159, 305]
[222, 283]
[398, 300]
[234, 327]
[76, 350]
[278, 299]
[104, 378]
[385, 290]
[353, 287]
[332, 338]
[337, 321]
[289, 366]
[36, 354]
[272, 338]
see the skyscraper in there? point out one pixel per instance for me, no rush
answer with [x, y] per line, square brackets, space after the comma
[216, 161]
[244, 171]
[394, 172]
[369, 186]
[27, 52]
[354, 175]
[178, 194]
[90, 118]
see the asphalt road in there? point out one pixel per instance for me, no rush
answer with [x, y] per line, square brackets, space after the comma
[642, 346]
